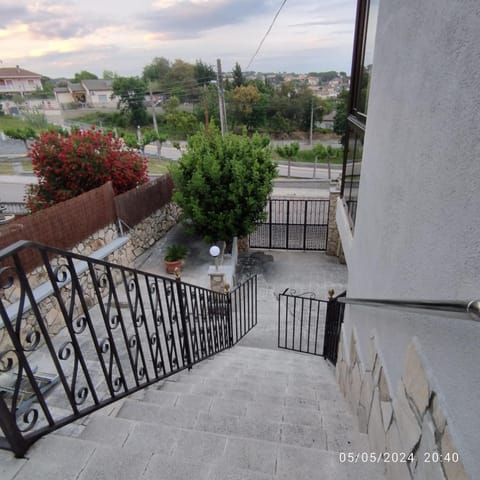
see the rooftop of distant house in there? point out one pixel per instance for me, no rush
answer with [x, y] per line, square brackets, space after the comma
[16, 72]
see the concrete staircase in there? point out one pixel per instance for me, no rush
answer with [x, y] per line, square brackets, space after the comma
[248, 413]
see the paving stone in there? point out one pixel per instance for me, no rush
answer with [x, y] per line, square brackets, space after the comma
[307, 464]
[200, 403]
[238, 394]
[221, 406]
[148, 412]
[251, 455]
[238, 427]
[55, 457]
[162, 398]
[260, 412]
[208, 390]
[109, 431]
[175, 387]
[302, 416]
[303, 436]
[226, 472]
[162, 468]
[107, 464]
[9, 465]
[199, 447]
[151, 438]
[301, 401]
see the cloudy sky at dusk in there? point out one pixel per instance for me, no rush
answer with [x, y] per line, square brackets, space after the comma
[60, 37]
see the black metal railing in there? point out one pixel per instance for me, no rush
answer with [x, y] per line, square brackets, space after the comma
[309, 325]
[102, 332]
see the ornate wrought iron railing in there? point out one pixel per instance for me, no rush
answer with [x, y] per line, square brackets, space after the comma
[101, 335]
[309, 325]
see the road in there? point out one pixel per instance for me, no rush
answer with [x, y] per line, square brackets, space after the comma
[12, 187]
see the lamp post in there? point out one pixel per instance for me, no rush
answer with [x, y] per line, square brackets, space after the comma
[215, 252]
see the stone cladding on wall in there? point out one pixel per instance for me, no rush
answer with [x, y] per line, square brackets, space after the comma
[410, 425]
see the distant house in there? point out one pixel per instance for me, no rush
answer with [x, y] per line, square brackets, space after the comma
[90, 93]
[18, 80]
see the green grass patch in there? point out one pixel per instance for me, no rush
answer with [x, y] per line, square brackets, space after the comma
[6, 168]
[7, 121]
[27, 166]
[157, 167]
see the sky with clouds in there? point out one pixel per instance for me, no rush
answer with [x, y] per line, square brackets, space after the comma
[60, 37]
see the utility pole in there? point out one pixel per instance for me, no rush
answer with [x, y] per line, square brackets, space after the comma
[311, 124]
[221, 98]
[154, 116]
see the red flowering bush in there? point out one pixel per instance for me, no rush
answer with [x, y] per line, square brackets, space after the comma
[68, 166]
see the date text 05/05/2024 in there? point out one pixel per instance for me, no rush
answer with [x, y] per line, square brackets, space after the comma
[397, 457]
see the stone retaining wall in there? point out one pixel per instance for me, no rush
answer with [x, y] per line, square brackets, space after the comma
[412, 423]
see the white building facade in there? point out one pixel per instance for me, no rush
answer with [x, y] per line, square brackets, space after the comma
[409, 228]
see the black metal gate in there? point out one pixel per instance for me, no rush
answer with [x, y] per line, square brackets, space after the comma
[293, 225]
[309, 325]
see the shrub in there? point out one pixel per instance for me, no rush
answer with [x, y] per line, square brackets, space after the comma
[67, 166]
[222, 183]
[175, 252]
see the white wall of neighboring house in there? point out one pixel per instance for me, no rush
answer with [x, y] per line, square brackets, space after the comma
[20, 85]
[417, 234]
[100, 98]
[64, 98]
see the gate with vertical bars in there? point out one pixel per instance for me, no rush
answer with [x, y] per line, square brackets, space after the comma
[293, 224]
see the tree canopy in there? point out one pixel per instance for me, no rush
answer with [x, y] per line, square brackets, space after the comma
[222, 183]
[131, 94]
[84, 75]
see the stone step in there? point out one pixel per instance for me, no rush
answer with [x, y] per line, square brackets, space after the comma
[246, 413]
[153, 452]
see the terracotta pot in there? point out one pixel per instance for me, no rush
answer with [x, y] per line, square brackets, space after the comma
[172, 266]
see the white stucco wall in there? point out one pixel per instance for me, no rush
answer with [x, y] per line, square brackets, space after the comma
[417, 233]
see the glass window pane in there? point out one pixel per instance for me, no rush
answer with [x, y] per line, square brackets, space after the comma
[366, 67]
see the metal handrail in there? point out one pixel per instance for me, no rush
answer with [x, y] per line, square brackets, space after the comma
[464, 310]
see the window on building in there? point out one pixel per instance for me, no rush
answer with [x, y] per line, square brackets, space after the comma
[362, 62]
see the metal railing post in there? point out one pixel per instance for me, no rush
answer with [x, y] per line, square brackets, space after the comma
[183, 319]
[11, 431]
[228, 314]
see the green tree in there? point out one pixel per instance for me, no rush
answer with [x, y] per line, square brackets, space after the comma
[180, 81]
[289, 152]
[156, 71]
[203, 73]
[222, 183]
[131, 94]
[109, 75]
[341, 108]
[237, 74]
[22, 133]
[244, 101]
[84, 75]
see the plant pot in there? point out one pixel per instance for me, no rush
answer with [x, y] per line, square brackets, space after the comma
[172, 266]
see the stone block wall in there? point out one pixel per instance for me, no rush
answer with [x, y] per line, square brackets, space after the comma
[410, 425]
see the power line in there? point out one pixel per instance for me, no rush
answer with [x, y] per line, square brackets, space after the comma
[266, 34]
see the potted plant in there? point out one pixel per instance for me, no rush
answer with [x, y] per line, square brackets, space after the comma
[173, 258]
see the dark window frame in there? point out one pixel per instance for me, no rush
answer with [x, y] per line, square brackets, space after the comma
[356, 120]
